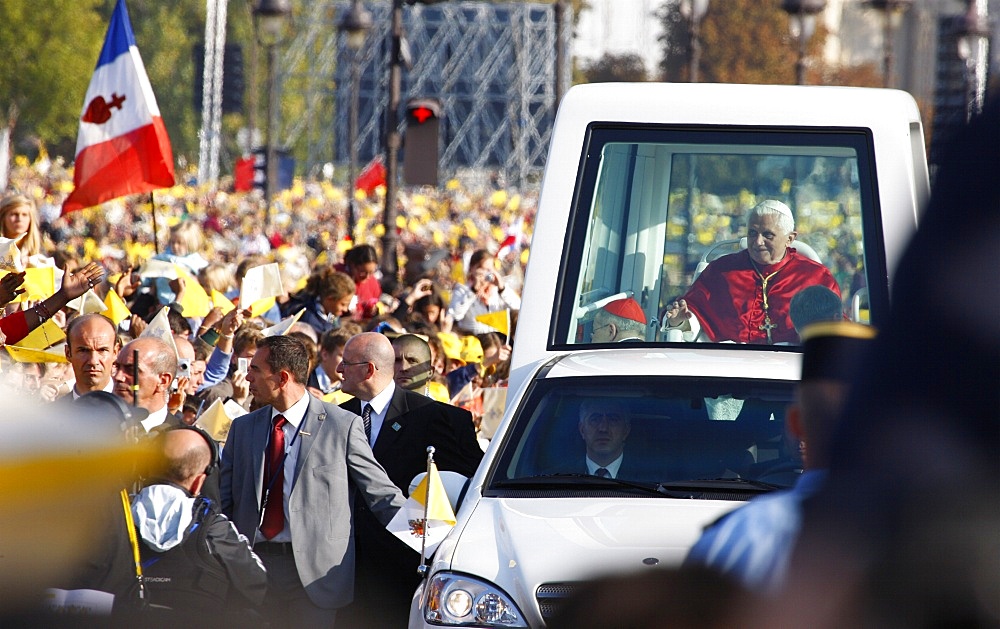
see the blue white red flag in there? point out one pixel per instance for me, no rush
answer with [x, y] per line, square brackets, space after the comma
[123, 146]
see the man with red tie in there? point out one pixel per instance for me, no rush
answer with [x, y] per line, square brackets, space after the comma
[290, 473]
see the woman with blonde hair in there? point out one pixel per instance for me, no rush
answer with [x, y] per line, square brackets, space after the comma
[19, 221]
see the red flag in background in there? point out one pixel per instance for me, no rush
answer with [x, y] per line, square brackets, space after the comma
[122, 147]
[243, 174]
[372, 176]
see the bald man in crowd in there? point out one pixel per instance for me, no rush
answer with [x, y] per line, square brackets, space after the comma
[196, 564]
[401, 424]
[91, 347]
[157, 366]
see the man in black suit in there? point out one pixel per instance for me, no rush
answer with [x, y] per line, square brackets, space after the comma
[401, 425]
[604, 427]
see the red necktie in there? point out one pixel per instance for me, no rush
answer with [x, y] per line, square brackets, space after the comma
[274, 481]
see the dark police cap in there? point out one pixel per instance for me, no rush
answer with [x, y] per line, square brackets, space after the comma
[834, 350]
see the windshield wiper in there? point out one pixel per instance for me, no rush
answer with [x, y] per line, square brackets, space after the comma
[722, 483]
[563, 479]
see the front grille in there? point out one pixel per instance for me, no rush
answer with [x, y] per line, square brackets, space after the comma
[550, 597]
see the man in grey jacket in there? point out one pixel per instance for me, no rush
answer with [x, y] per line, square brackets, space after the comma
[290, 472]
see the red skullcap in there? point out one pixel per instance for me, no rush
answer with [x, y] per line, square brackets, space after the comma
[627, 308]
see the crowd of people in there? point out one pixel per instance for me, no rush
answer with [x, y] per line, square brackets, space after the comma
[449, 244]
[117, 329]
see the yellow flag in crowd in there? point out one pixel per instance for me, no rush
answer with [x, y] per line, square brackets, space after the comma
[55, 354]
[87, 303]
[221, 302]
[281, 328]
[499, 321]
[38, 284]
[45, 335]
[159, 328]
[117, 310]
[194, 300]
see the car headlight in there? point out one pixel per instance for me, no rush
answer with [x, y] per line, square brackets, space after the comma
[459, 600]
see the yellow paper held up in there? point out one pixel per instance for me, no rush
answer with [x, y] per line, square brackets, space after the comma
[261, 282]
[194, 300]
[221, 302]
[45, 335]
[55, 354]
[117, 310]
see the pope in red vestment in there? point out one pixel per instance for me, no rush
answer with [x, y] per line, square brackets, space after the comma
[744, 297]
[736, 300]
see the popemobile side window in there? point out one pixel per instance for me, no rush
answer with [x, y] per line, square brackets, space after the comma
[720, 237]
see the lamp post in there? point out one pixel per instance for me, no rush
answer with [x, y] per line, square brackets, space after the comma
[891, 11]
[802, 24]
[390, 260]
[355, 25]
[973, 48]
[694, 11]
[270, 22]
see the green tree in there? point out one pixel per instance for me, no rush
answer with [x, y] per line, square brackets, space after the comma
[616, 67]
[49, 50]
[743, 41]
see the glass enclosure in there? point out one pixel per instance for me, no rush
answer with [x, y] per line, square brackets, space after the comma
[673, 435]
[655, 207]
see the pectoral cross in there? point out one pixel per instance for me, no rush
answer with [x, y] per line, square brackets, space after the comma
[767, 326]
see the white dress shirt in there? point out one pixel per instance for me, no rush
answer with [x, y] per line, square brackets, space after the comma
[294, 416]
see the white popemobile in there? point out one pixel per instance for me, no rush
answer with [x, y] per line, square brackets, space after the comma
[644, 185]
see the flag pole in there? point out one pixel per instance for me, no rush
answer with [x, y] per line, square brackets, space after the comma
[152, 207]
[422, 569]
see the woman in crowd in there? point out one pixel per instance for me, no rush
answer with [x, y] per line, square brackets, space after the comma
[326, 298]
[361, 263]
[484, 291]
[19, 221]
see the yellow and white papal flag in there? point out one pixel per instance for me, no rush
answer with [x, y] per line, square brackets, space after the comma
[427, 513]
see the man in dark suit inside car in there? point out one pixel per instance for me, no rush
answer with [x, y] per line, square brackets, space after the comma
[604, 426]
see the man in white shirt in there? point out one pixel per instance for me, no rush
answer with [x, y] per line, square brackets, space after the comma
[91, 348]
[155, 363]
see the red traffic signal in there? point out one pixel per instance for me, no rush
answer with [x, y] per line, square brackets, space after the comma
[421, 110]
[421, 114]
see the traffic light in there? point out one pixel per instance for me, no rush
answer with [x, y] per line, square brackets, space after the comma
[285, 173]
[420, 156]
[233, 83]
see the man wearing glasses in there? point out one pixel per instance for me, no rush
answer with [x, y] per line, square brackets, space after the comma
[620, 320]
[400, 425]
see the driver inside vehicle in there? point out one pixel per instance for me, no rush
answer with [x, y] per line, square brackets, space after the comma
[604, 427]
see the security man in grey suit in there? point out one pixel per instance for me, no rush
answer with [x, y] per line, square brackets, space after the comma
[290, 473]
[402, 425]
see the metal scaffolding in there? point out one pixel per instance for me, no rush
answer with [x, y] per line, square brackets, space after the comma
[491, 65]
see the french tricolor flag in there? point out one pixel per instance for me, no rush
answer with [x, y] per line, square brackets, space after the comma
[123, 146]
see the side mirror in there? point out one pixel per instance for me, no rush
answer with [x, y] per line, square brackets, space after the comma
[454, 485]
